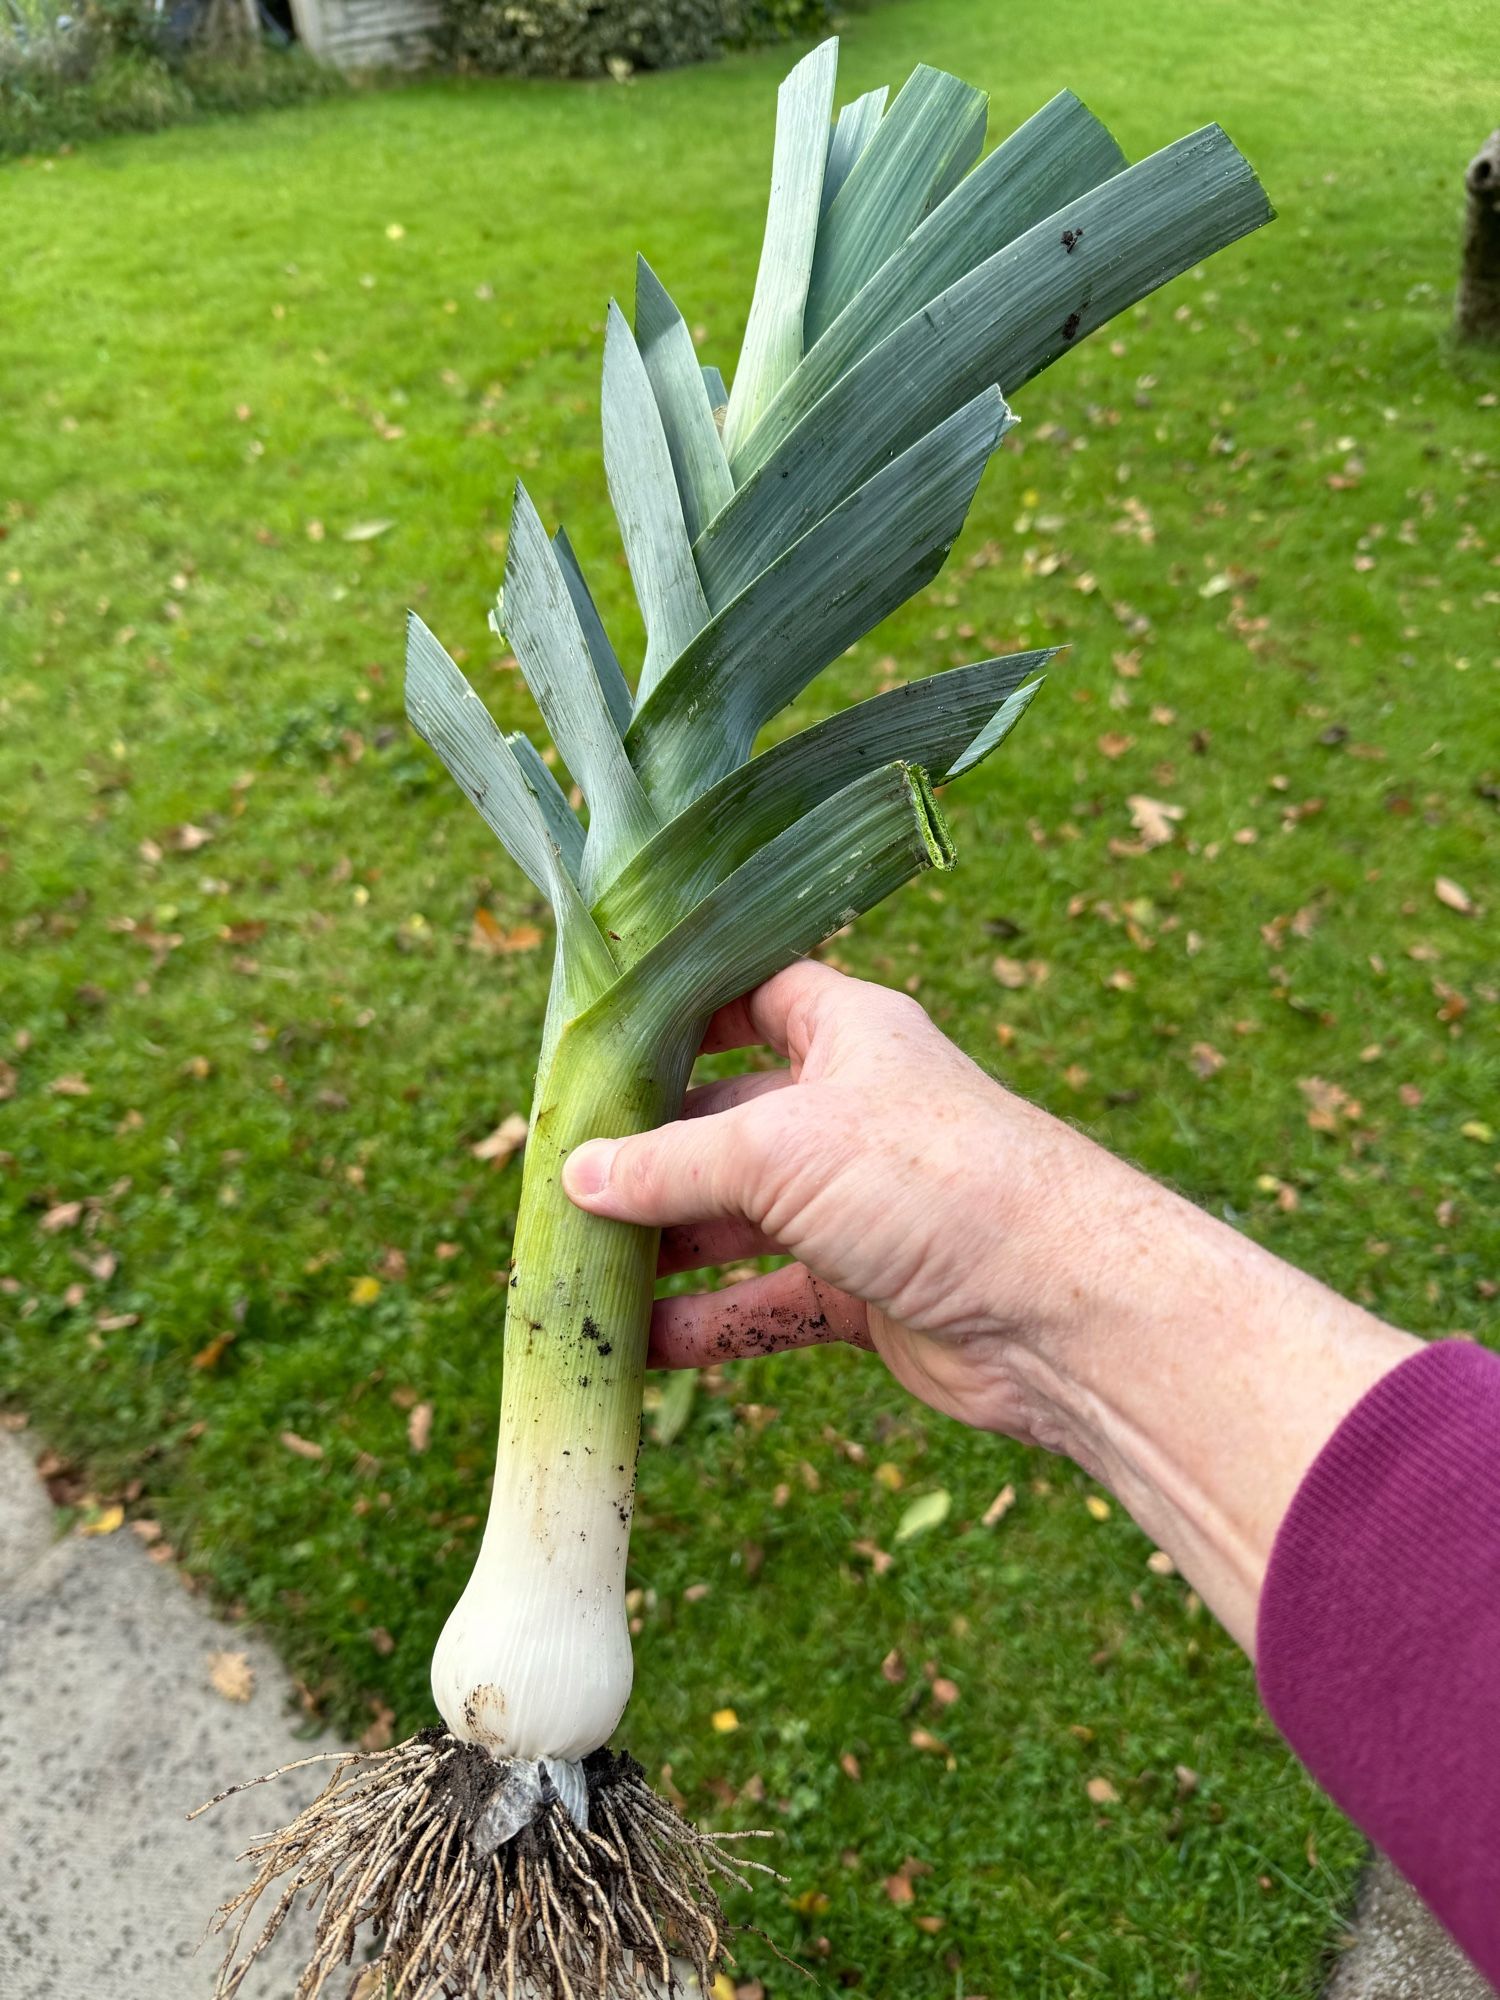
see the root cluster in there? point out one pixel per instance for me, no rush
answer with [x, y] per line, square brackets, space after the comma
[392, 1852]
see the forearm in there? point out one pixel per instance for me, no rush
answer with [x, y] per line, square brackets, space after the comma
[1194, 1373]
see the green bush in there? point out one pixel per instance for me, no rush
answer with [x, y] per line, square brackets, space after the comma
[114, 68]
[584, 38]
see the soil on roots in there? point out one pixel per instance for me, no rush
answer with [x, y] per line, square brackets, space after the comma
[392, 1853]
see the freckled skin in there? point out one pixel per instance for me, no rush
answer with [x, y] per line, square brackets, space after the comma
[1008, 1271]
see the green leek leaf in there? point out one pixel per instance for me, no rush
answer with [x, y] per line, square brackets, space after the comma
[1057, 155]
[1004, 322]
[835, 862]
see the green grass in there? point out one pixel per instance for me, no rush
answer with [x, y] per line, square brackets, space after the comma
[1261, 509]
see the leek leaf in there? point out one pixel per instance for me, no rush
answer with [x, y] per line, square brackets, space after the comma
[564, 829]
[1004, 322]
[666, 346]
[543, 626]
[1057, 155]
[447, 713]
[835, 862]
[939, 723]
[612, 682]
[857, 125]
[828, 588]
[773, 336]
[923, 147]
[643, 489]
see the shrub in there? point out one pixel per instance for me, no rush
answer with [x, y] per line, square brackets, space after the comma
[584, 38]
[118, 66]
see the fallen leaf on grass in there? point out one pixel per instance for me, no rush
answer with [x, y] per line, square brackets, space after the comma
[382, 1731]
[899, 1889]
[213, 1353]
[923, 1739]
[364, 1291]
[1153, 819]
[303, 1447]
[1453, 896]
[231, 1675]
[1205, 1060]
[1102, 1792]
[366, 531]
[1000, 1506]
[69, 1086]
[1327, 1103]
[725, 1721]
[103, 1521]
[507, 1139]
[9, 1077]
[419, 1427]
[1098, 1506]
[488, 936]
[62, 1216]
[929, 1510]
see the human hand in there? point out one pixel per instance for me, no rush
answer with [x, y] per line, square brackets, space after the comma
[1007, 1270]
[917, 1196]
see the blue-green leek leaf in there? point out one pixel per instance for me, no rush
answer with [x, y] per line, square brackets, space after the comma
[687, 416]
[829, 587]
[1004, 322]
[945, 723]
[923, 147]
[1057, 155]
[543, 627]
[773, 335]
[848, 853]
[858, 122]
[612, 682]
[447, 713]
[643, 489]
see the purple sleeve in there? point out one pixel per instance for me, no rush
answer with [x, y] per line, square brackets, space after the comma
[1379, 1632]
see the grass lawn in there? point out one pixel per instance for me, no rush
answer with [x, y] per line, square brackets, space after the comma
[249, 1043]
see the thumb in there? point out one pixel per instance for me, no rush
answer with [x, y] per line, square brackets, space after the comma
[694, 1170]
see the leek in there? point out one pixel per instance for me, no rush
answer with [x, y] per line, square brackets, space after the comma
[901, 287]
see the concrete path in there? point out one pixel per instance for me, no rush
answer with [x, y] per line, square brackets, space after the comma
[111, 1731]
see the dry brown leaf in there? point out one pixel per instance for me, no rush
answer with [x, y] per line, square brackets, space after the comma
[944, 1691]
[923, 1739]
[303, 1447]
[1000, 1506]
[1153, 819]
[893, 1668]
[231, 1675]
[1453, 896]
[419, 1427]
[488, 936]
[63, 1216]
[69, 1086]
[1112, 744]
[507, 1139]
[382, 1731]
[1102, 1792]
[1205, 1059]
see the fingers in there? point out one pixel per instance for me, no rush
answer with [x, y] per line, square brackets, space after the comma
[706, 1098]
[780, 1013]
[695, 1170]
[697, 1244]
[764, 1315]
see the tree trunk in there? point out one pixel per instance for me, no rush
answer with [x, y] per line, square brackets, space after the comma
[1478, 313]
